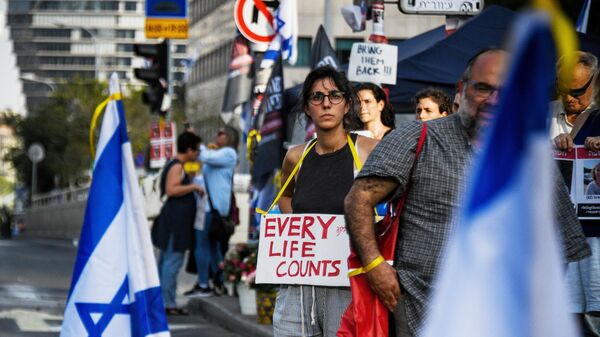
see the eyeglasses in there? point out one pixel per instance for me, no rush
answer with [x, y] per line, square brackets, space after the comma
[575, 92]
[483, 89]
[317, 97]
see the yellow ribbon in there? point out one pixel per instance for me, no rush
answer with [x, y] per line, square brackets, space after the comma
[357, 162]
[97, 112]
[253, 134]
[363, 270]
[565, 38]
[287, 182]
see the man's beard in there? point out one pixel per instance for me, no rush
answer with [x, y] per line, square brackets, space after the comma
[469, 121]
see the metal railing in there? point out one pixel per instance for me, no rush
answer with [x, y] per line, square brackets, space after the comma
[60, 197]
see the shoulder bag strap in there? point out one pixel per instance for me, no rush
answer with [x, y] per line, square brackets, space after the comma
[208, 193]
[422, 137]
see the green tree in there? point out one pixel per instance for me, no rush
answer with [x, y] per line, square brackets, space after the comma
[62, 126]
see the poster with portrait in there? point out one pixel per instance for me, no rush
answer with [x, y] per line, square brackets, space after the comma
[565, 161]
[586, 183]
[162, 143]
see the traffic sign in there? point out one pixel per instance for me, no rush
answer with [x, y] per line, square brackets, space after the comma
[166, 19]
[441, 7]
[254, 19]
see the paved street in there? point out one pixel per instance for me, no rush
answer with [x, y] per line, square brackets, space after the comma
[34, 282]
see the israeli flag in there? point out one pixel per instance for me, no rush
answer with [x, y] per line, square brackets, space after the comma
[285, 24]
[501, 275]
[584, 14]
[115, 289]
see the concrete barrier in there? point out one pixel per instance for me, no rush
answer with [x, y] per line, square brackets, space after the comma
[60, 214]
[61, 221]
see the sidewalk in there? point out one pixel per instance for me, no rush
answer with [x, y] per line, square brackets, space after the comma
[225, 311]
[222, 310]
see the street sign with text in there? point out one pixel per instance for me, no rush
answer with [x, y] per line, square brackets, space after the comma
[166, 19]
[441, 7]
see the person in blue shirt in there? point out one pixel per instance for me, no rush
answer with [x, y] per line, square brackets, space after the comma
[218, 164]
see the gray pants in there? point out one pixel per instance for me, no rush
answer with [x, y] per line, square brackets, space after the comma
[400, 320]
[318, 314]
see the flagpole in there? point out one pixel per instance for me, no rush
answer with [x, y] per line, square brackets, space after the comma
[327, 17]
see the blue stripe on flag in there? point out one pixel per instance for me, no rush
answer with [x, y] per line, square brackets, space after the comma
[516, 119]
[104, 200]
[147, 313]
[271, 55]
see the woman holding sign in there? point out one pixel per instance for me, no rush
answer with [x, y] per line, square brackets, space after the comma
[325, 167]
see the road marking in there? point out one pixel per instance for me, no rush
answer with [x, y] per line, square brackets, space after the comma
[32, 321]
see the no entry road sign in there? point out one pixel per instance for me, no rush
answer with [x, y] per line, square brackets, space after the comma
[254, 19]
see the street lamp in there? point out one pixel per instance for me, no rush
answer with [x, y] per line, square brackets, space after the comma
[95, 39]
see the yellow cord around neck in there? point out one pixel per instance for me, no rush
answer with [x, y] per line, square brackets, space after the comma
[357, 163]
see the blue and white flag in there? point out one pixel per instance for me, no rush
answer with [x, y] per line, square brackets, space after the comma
[584, 14]
[501, 274]
[285, 24]
[115, 289]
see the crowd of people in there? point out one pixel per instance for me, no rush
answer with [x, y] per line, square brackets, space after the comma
[198, 185]
[354, 124]
[435, 189]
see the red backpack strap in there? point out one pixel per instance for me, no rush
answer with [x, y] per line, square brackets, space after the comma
[420, 144]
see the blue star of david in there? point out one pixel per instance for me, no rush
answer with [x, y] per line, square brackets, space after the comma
[107, 311]
[280, 23]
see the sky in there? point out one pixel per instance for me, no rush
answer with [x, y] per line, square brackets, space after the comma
[11, 94]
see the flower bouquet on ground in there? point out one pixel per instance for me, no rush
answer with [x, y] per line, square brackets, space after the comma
[265, 293]
[233, 265]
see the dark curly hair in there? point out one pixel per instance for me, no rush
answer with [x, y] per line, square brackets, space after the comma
[388, 118]
[351, 120]
[438, 96]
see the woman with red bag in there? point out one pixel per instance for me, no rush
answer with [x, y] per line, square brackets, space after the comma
[328, 166]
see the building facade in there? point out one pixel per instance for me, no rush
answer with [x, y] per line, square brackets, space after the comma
[59, 40]
[212, 29]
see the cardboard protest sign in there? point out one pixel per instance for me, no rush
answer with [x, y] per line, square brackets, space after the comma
[309, 249]
[373, 62]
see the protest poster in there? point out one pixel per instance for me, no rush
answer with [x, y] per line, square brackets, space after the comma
[162, 143]
[373, 62]
[565, 161]
[581, 170]
[309, 249]
[587, 183]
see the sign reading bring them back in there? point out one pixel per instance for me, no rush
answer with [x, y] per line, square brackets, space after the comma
[373, 62]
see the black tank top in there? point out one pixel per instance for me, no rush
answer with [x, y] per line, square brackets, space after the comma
[323, 181]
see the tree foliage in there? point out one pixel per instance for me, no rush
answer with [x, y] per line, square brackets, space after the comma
[62, 127]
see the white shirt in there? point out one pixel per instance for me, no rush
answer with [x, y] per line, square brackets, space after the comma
[559, 123]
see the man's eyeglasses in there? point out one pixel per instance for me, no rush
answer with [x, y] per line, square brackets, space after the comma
[483, 89]
[317, 97]
[575, 92]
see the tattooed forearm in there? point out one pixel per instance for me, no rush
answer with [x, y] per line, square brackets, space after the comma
[358, 206]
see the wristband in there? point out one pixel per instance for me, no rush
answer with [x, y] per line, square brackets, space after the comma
[363, 270]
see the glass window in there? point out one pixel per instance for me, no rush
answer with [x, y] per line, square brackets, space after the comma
[52, 32]
[124, 47]
[303, 45]
[343, 47]
[123, 61]
[125, 33]
[180, 48]
[130, 5]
